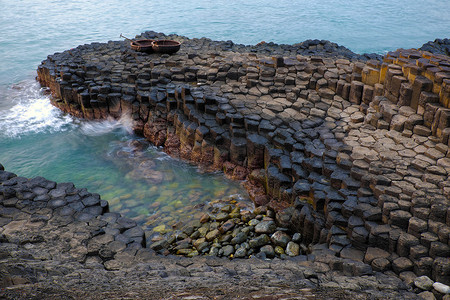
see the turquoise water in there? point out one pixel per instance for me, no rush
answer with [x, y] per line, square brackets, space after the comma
[30, 30]
[36, 139]
[136, 178]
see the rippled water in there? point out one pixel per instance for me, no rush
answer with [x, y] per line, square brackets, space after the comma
[37, 140]
[33, 29]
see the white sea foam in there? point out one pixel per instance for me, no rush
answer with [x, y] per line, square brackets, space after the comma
[97, 128]
[24, 110]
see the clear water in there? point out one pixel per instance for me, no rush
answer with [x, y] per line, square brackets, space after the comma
[136, 178]
[37, 140]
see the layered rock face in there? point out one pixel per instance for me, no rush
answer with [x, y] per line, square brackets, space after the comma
[347, 152]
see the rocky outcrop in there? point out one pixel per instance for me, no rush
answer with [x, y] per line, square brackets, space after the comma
[351, 153]
[58, 241]
[438, 46]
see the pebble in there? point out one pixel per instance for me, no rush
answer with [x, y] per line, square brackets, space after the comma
[228, 225]
[259, 241]
[297, 237]
[424, 283]
[268, 251]
[223, 216]
[441, 288]
[231, 237]
[279, 250]
[205, 218]
[239, 238]
[240, 253]
[293, 249]
[427, 295]
[254, 222]
[228, 250]
[212, 235]
[265, 227]
[280, 238]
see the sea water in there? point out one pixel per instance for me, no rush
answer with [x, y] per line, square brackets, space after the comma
[137, 179]
[36, 139]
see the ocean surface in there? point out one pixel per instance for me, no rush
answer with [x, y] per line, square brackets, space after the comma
[37, 140]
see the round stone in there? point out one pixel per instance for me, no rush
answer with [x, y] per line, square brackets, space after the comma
[228, 250]
[292, 249]
[203, 231]
[204, 218]
[198, 242]
[212, 235]
[280, 238]
[228, 225]
[188, 230]
[297, 237]
[240, 252]
[226, 208]
[265, 227]
[427, 295]
[184, 251]
[268, 250]
[279, 250]
[160, 228]
[214, 251]
[259, 241]
[424, 283]
[225, 238]
[159, 245]
[441, 288]
[223, 216]
[245, 245]
[195, 235]
[235, 213]
[192, 253]
[253, 222]
[239, 238]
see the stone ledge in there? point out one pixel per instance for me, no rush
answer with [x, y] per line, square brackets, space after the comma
[44, 250]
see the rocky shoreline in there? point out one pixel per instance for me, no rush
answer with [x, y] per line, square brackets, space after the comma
[58, 242]
[349, 152]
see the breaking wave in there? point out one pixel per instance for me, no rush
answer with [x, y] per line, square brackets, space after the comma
[24, 110]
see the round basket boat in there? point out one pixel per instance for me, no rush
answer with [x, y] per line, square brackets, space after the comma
[166, 46]
[142, 45]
